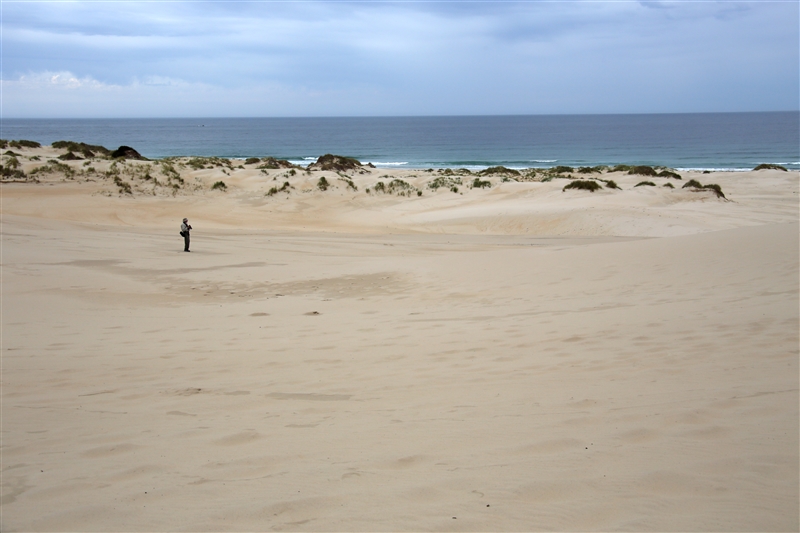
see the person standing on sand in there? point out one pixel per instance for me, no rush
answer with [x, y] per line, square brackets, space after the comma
[185, 229]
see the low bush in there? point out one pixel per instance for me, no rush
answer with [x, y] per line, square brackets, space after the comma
[498, 170]
[252, 161]
[380, 187]
[481, 184]
[442, 181]
[22, 143]
[285, 188]
[323, 184]
[668, 185]
[220, 185]
[335, 163]
[669, 174]
[89, 150]
[611, 184]
[621, 168]
[770, 166]
[642, 170]
[696, 185]
[560, 169]
[586, 185]
[349, 182]
[648, 183]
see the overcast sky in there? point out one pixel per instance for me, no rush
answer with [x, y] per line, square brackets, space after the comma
[327, 58]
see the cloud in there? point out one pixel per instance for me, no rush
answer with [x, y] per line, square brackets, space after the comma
[405, 58]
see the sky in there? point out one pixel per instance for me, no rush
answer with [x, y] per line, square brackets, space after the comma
[95, 59]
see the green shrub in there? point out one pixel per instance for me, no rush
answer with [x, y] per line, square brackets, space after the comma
[220, 185]
[592, 170]
[442, 181]
[611, 184]
[252, 161]
[84, 148]
[498, 170]
[323, 184]
[648, 183]
[398, 186]
[560, 169]
[479, 184]
[335, 163]
[669, 174]
[770, 166]
[587, 185]
[350, 184]
[22, 143]
[716, 188]
[668, 185]
[643, 170]
[380, 187]
[621, 168]
[12, 162]
[696, 185]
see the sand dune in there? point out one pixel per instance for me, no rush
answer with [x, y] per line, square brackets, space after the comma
[513, 358]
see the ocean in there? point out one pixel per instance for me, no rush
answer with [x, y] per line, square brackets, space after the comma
[703, 141]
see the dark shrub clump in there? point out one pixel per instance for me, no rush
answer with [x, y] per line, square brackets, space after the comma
[586, 185]
[220, 185]
[335, 163]
[498, 170]
[669, 174]
[649, 183]
[643, 170]
[480, 184]
[770, 166]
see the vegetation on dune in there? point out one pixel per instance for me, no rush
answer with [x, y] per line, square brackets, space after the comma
[22, 143]
[642, 170]
[648, 183]
[770, 166]
[498, 170]
[323, 184]
[697, 186]
[443, 181]
[587, 185]
[669, 174]
[349, 183]
[456, 172]
[252, 160]
[271, 163]
[87, 150]
[611, 184]
[285, 188]
[561, 169]
[335, 163]
[480, 184]
[668, 185]
[599, 169]
[220, 185]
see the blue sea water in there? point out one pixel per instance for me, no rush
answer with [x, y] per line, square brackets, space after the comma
[713, 141]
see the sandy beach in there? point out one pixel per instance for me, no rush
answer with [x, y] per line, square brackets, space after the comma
[506, 357]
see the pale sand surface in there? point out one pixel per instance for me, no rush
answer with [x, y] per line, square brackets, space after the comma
[335, 361]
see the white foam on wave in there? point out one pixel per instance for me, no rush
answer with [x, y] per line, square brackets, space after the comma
[712, 169]
[389, 163]
[544, 160]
